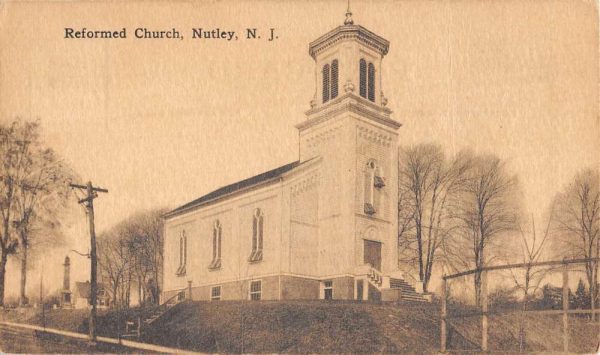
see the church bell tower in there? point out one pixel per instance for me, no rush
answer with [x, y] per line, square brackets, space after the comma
[349, 128]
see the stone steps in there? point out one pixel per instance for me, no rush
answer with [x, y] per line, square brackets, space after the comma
[407, 292]
[133, 331]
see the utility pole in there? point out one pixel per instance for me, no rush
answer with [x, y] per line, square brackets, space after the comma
[88, 201]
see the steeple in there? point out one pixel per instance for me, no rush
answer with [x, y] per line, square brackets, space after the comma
[348, 61]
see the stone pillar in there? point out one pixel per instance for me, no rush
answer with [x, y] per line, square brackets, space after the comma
[67, 274]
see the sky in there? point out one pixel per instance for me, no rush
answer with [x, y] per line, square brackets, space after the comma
[161, 122]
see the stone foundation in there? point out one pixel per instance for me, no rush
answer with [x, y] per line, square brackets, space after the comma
[284, 287]
[391, 295]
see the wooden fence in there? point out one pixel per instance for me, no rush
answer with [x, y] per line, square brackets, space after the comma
[565, 311]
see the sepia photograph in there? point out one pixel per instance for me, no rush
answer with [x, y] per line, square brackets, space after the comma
[324, 177]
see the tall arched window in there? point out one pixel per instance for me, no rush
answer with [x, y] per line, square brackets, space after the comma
[363, 78]
[367, 80]
[216, 251]
[374, 182]
[371, 80]
[369, 193]
[330, 80]
[182, 254]
[325, 83]
[257, 236]
[334, 79]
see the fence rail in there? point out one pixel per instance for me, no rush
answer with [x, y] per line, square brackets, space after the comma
[485, 313]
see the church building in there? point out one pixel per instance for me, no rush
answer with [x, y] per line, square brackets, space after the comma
[322, 227]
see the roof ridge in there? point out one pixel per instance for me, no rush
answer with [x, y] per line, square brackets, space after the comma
[236, 186]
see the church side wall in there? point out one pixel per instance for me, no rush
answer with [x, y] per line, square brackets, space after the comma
[236, 218]
[304, 228]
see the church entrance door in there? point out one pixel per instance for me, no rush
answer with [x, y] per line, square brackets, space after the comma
[372, 254]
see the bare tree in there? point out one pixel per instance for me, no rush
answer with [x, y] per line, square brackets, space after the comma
[487, 209]
[33, 190]
[531, 248]
[115, 265]
[41, 195]
[426, 181]
[131, 253]
[13, 148]
[577, 224]
[149, 251]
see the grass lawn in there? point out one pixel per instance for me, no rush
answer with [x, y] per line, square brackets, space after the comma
[327, 327]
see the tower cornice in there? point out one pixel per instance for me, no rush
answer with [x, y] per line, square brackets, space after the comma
[349, 32]
[349, 102]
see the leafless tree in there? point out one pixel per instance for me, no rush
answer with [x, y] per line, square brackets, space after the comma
[487, 209]
[115, 265]
[131, 253]
[577, 224]
[42, 193]
[427, 180]
[13, 150]
[531, 248]
[32, 188]
[149, 251]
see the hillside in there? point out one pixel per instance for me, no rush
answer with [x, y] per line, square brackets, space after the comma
[348, 327]
[327, 327]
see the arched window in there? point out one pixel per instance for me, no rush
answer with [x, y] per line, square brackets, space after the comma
[334, 79]
[374, 183]
[369, 192]
[330, 80]
[325, 83]
[367, 80]
[257, 236]
[182, 254]
[216, 251]
[371, 80]
[363, 78]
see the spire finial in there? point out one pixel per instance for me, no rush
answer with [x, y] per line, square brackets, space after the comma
[348, 20]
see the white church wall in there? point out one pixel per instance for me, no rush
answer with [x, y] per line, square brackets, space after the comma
[379, 144]
[304, 228]
[374, 143]
[335, 221]
[236, 218]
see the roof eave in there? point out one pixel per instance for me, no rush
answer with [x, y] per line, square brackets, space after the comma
[371, 39]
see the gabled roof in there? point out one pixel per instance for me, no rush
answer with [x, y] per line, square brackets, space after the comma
[240, 185]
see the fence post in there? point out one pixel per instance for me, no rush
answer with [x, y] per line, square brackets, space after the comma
[593, 294]
[484, 311]
[444, 331]
[565, 304]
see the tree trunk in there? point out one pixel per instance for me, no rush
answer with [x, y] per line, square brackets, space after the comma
[420, 249]
[156, 286]
[522, 321]
[140, 300]
[594, 290]
[128, 291]
[477, 285]
[23, 301]
[3, 260]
